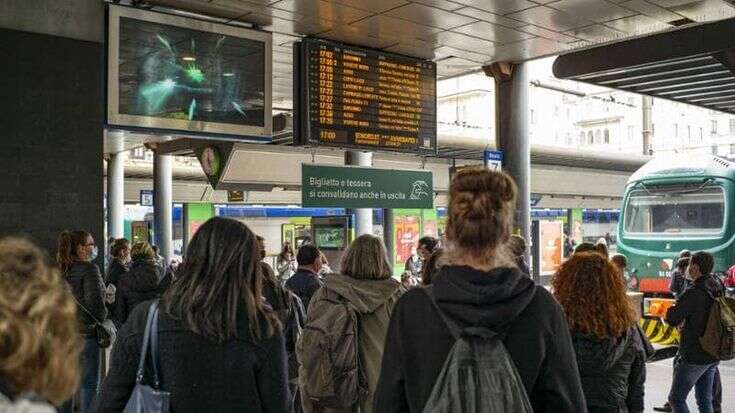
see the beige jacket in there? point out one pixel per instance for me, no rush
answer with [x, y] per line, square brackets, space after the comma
[374, 300]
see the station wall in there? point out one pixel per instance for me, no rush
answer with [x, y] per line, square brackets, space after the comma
[51, 117]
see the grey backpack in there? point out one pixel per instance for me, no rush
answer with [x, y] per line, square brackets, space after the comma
[478, 374]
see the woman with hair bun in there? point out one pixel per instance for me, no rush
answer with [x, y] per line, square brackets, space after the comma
[39, 342]
[481, 287]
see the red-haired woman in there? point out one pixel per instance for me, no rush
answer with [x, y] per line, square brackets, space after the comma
[610, 351]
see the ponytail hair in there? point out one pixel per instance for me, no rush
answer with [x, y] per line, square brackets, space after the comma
[67, 245]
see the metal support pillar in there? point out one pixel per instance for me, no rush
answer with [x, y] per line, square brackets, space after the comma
[363, 216]
[647, 105]
[389, 234]
[116, 195]
[163, 205]
[511, 126]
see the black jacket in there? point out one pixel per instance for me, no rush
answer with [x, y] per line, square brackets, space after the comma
[116, 270]
[693, 308]
[201, 375]
[138, 285]
[537, 340]
[304, 284]
[613, 371]
[86, 284]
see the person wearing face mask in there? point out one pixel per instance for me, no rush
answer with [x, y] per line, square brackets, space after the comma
[75, 256]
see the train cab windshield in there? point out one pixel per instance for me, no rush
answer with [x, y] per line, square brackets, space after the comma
[675, 210]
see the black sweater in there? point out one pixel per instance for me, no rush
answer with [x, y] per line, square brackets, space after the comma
[86, 284]
[201, 375]
[139, 284]
[692, 308]
[613, 371]
[538, 339]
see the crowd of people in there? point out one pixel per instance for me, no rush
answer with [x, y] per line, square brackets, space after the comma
[229, 333]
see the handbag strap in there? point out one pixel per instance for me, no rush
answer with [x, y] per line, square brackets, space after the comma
[89, 313]
[149, 325]
[154, 349]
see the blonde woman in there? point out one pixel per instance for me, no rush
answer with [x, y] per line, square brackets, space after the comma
[39, 339]
[365, 282]
[139, 284]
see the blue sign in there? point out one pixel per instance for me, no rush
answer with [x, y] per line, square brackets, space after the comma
[146, 197]
[493, 160]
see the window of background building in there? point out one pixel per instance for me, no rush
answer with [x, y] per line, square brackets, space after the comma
[607, 136]
[701, 135]
[631, 129]
[138, 153]
[598, 137]
[590, 138]
[533, 117]
[714, 149]
[732, 125]
[676, 130]
[689, 132]
[713, 127]
[581, 138]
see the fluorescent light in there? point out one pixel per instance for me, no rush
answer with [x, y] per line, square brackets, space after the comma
[189, 58]
[228, 74]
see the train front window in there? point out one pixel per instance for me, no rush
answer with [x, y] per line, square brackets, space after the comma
[675, 211]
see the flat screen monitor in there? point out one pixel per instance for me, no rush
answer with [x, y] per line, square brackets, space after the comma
[175, 73]
[330, 237]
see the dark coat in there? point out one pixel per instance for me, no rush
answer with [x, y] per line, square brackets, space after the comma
[202, 375]
[304, 284]
[537, 339]
[693, 308]
[613, 371]
[138, 285]
[116, 270]
[86, 284]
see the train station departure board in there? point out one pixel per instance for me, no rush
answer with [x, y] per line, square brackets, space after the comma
[353, 97]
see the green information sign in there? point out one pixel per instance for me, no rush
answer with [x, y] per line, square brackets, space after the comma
[350, 187]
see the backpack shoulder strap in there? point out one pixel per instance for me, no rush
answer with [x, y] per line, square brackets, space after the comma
[454, 329]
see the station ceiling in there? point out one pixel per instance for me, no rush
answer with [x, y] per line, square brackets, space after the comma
[459, 35]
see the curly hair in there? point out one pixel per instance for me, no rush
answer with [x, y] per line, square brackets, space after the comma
[39, 340]
[592, 292]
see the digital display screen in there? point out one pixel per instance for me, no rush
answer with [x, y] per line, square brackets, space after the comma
[367, 99]
[168, 73]
[330, 237]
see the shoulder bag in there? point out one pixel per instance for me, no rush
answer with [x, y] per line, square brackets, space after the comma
[105, 331]
[144, 398]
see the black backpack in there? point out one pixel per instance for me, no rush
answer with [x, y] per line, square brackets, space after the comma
[478, 374]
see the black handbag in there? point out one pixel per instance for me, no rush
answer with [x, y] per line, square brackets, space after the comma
[144, 398]
[105, 331]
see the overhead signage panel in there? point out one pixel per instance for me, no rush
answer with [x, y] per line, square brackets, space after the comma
[368, 99]
[351, 187]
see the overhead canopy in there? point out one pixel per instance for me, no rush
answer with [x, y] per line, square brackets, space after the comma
[694, 65]
[459, 35]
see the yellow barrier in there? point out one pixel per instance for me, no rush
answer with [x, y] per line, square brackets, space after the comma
[659, 332]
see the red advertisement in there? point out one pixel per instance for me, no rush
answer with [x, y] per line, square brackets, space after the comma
[551, 233]
[407, 230]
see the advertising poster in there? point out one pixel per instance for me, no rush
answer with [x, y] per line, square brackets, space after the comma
[551, 245]
[407, 230]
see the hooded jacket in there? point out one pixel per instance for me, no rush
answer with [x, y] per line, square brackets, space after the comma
[537, 339]
[613, 371]
[374, 300]
[138, 285]
[86, 285]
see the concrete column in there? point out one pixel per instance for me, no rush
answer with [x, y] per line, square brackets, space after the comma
[512, 129]
[389, 236]
[647, 106]
[163, 205]
[116, 195]
[363, 216]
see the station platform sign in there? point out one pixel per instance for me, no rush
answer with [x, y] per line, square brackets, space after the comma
[354, 187]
